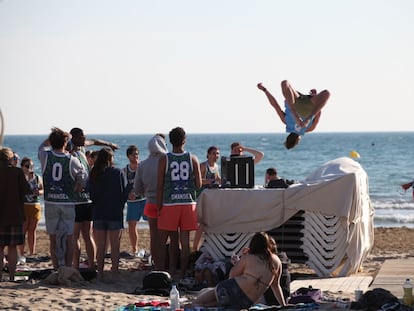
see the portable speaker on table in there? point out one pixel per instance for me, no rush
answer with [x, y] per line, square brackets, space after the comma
[237, 171]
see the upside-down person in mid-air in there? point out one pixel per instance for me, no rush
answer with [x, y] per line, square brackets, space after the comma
[302, 112]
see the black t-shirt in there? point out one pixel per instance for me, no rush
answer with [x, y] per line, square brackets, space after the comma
[279, 183]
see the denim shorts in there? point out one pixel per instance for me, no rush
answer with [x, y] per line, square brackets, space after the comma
[108, 225]
[231, 296]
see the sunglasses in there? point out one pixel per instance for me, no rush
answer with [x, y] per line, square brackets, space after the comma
[28, 166]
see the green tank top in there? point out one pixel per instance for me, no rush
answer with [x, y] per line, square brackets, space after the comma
[59, 185]
[83, 197]
[179, 183]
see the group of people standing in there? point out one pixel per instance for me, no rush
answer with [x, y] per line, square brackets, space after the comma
[85, 195]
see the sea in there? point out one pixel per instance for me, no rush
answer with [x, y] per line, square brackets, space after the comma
[385, 156]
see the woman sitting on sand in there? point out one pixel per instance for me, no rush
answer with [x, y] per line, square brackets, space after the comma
[252, 275]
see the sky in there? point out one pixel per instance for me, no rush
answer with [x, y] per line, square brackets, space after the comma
[132, 67]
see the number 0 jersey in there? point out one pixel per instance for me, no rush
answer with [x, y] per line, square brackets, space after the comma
[59, 178]
[179, 183]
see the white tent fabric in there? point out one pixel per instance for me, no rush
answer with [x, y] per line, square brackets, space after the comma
[337, 188]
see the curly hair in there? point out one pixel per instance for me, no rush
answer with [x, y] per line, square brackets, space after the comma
[58, 138]
[177, 136]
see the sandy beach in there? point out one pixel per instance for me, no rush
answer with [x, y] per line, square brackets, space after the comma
[390, 243]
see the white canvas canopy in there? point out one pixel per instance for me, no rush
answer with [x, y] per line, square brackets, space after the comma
[338, 188]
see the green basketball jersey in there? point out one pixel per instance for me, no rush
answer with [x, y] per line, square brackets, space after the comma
[179, 184]
[59, 184]
[84, 195]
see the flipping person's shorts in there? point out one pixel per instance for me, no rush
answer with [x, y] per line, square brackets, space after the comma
[304, 106]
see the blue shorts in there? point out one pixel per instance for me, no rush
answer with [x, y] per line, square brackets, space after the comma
[108, 225]
[135, 210]
[231, 296]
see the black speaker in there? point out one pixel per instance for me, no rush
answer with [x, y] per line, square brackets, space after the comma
[237, 172]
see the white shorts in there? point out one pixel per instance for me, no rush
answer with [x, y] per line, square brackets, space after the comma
[56, 211]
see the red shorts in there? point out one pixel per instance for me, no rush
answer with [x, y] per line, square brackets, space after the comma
[174, 217]
[151, 210]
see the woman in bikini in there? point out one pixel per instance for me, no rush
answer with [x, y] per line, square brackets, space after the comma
[252, 275]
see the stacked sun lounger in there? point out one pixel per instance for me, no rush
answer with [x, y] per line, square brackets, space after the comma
[224, 245]
[311, 238]
[314, 239]
[326, 221]
[289, 236]
[324, 243]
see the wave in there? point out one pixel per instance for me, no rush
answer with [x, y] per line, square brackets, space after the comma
[393, 221]
[392, 204]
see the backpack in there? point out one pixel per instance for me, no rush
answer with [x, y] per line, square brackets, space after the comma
[379, 299]
[156, 283]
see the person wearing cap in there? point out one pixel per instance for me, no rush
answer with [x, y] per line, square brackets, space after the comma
[238, 149]
[302, 112]
[13, 188]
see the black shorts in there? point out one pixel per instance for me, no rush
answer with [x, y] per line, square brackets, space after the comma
[83, 212]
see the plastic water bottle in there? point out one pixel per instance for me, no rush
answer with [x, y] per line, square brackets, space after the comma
[174, 298]
[408, 292]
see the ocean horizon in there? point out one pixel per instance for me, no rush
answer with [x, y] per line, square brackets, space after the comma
[385, 156]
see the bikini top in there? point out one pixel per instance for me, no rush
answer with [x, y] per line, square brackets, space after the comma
[259, 281]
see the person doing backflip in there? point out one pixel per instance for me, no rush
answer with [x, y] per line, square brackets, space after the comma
[302, 112]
